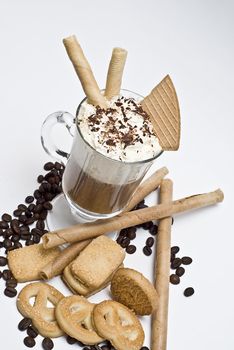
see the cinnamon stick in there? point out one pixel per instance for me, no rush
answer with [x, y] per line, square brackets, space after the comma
[84, 72]
[67, 255]
[162, 272]
[81, 232]
[115, 72]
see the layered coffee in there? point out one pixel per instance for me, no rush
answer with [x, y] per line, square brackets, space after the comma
[110, 150]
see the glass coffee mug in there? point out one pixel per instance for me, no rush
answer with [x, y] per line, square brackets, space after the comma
[95, 186]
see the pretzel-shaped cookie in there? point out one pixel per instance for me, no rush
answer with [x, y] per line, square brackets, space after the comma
[43, 317]
[73, 314]
[118, 324]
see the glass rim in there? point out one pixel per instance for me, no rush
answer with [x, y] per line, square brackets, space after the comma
[148, 160]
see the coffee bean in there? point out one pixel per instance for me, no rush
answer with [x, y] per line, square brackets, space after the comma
[24, 324]
[174, 279]
[172, 257]
[32, 331]
[6, 274]
[141, 204]
[3, 261]
[4, 225]
[15, 226]
[47, 344]
[180, 271]
[29, 342]
[123, 232]
[29, 199]
[23, 218]
[176, 263]
[24, 229]
[28, 214]
[149, 242]
[48, 205]
[10, 292]
[120, 239]
[125, 242]
[8, 233]
[131, 249]
[36, 216]
[37, 194]
[36, 231]
[29, 242]
[36, 238]
[105, 347]
[1, 232]
[6, 217]
[144, 348]
[31, 207]
[186, 260]
[48, 166]
[147, 251]
[147, 225]
[51, 180]
[7, 243]
[22, 207]
[40, 225]
[175, 250]
[79, 343]
[25, 236]
[40, 178]
[11, 283]
[153, 230]
[131, 233]
[49, 196]
[188, 292]
[17, 245]
[38, 208]
[71, 340]
[17, 212]
[29, 221]
[43, 214]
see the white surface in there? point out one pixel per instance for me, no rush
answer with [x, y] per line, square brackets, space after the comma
[193, 42]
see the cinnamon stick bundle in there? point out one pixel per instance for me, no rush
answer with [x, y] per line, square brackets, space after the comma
[162, 272]
[66, 256]
[82, 232]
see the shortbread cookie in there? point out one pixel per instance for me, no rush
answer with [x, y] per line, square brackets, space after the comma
[43, 317]
[96, 263]
[116, 323]
[73, 314]
[131, 288]
[26, 263]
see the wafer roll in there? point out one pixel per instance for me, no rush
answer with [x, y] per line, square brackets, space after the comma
[115, 72]
[84, 72]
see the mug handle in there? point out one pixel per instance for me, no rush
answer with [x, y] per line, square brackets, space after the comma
[49, 146]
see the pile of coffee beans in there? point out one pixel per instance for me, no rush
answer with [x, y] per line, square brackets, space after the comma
[26, 225]
[129, 234]
[179, 270]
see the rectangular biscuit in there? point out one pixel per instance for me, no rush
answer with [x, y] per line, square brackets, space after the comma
[26, 263]
[97, 262]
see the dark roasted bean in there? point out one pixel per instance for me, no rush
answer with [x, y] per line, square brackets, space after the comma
[37, 194]
[153, 230]
[38, 208]
[32, 331]
[40, 200]
[28, 214]
[23, 218]
[15, 226]
[3, 261]
[48, 166]
[24, 229]
[29, 242]
[144, 348]
[48, 196]
[24, 324]
[176, 263]
[188, 292]
[120, 239]
[48, 205]
[6, 274]
[147, 251]
[15, 238]
[174, 279]
[43, 214]
[4, 225]
[149, 242]
[10, 292]
[180, 271]
[11, 283]
[131, 249]
[31, 207]
[131, 234]
[7, 243]
[22, 207]
[17, 245]
[29, 199]
[57, 165]
[175, 250]
[6, 217]
[79, 343]
[172, 257]
[8, 233]
[36, 238]
[125, 242]
[147, 225]
[25, 236]
[40, 225]
[47, 344]
[29, 221]
[40, 178]
[36, 216]
[71, 340]
[186, 260]
[36, 231]
[17, 212]
[29, 342]
[51, 180]
[123, 232]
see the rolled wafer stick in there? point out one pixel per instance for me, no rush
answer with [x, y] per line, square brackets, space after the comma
[84, 72]
[115, 72]
[162, 272]
[56, 267]
[67, 255]
[81, 232]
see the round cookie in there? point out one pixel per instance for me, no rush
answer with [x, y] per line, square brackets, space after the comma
[129, 287]
[116, 323]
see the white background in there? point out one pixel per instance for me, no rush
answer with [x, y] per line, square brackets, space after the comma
[193, 41]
